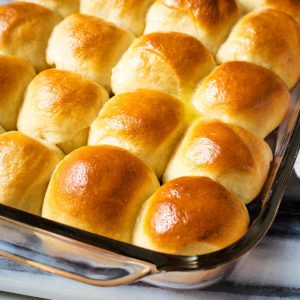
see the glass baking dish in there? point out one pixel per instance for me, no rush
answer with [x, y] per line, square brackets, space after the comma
[101, 261]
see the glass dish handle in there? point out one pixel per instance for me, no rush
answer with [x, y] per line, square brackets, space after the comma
[61, 256]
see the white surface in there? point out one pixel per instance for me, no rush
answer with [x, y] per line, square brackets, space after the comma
[297, 166]
[59, 289]
[272, 269]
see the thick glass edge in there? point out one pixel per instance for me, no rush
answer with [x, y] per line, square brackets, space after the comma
[167, 262]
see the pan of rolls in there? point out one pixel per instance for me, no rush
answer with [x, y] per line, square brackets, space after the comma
[145, 140]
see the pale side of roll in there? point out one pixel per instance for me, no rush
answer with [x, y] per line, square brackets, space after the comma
[261, 38]
[26, 166]
[62, 7]
[129, 14]
[209, 21]
[100, 189]
[191, 216]
[15, 74]
[148, 123]
[89, 46]
[170, 62]
[228, 154]
[246, 95]
[25, 30]
[2, 130]
[60, 106]
[291, 7]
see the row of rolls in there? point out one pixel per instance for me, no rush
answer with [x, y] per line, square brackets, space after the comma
[153, 139]
[218, 31]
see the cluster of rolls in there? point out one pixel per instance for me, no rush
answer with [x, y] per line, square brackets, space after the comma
[144, 121]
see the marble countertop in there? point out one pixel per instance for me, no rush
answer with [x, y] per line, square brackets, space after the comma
[272, 270]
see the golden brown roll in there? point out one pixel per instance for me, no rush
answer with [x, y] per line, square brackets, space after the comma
[15, 74]
[2, 130]
[25, 29]
[89, 46]
[129, 14]
[191, 216]
[291, 7]
[26, 166]
[100, 189]
[261, 38]
[209, 21]
[148, 123]
[171, 62]
[246, 95]
[62, 7]
[59, 107]
[228, 154]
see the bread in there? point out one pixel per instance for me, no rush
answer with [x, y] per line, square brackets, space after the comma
[25, 29]
[26, 165]
[228, 154]
[191, 216]
[261, 38]
[129, 14]
[246, 95]
[15, 74]
[100, 189]
[2, 130]
[291, 7]
[63, 7]
[175, 118]
[172, 62]
[209, 21]
[148, 123]
[89, 46]
[59, 107]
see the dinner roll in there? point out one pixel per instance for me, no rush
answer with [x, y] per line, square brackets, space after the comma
[26, 166]
[209, 21]
[89, 46]
[269, 38]
[62, 7]
[25, 29]
[291, 7]
[171, 62]
[191, 216]
[59, 107]
[100, 189]
[2, 130]
[129, 14]
[148, 123]
[244, 94]
[228, 154]
[15, 74]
